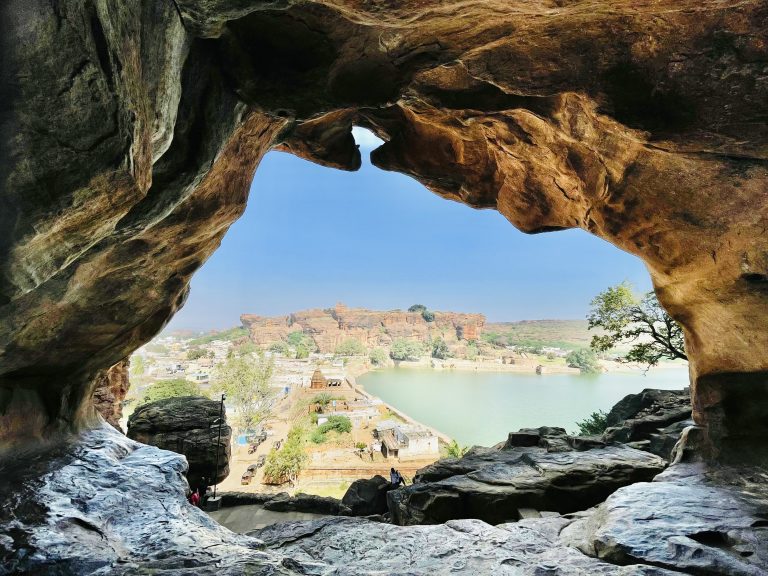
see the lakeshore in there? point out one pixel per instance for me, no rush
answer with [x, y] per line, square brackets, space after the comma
[455, 402]
[441, 398]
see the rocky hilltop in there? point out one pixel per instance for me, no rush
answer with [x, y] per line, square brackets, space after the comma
[330, 327]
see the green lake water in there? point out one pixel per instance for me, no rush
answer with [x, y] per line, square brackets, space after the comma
[480, 408]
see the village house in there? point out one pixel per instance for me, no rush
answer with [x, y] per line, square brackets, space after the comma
[405, 441]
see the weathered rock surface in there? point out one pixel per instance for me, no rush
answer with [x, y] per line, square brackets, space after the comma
[130, 132]
[104, 504]
[367, 496]
[651, 420]
[111, 389]
[306, 503]
[354, 546]
[691, 518]
[493, 484]
[186, 425]
[329, 328]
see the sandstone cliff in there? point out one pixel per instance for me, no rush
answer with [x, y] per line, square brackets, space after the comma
[111, 389]
[330, 327]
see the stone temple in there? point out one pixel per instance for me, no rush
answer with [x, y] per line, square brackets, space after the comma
[130, 131]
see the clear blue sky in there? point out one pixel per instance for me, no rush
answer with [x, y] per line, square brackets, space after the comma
[312, 236]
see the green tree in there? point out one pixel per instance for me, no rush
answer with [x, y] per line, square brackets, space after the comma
[245, 349]
[286, 464]
[403, 349]
[417, 308]
[350, 347]
[625, 317]
[170, 389]
[454, 450]
[440, 349]
[280, 348]
[246, 381]
[195, 353]
[137, 365]
[378, 356]
[428, 316]
[594, 425]
[472, 352]
[301, 352]
[584, 359]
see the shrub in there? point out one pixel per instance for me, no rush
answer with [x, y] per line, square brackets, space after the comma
[453, 450]
[594, 425]
[403, 349]
[428, 316]
[361, 445]
[170, 389]
[339, 424]
[350, 347]
[318, 436]
[584, 359]
[280, 348]
[195, 353]
[417, 308]
[378, 356]
[472, 351]
[324, 398]
[440, 349]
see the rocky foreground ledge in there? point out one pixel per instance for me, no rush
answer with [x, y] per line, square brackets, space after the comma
[104, 504]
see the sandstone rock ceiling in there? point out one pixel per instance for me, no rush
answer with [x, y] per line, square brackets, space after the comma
[130, 132]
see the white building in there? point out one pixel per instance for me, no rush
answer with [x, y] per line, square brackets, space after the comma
[406, 441]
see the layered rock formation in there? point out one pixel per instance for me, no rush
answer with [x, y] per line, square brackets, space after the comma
[111, 389]
[186, 425]
[330, 327]
[651, 420]
[130, 133]
[104, 504]
[689, 520]
[534, 469]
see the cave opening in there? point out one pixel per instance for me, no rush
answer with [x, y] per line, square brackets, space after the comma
[357, 249]
[129, 136]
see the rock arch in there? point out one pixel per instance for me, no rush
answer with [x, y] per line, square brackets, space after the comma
[130, 132]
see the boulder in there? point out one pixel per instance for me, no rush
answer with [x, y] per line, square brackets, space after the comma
[105, 504]
[493, 484]
[186, 425]
[690, 520]
[651, 420]
[306, 503]
[693, 519]
[367, 496]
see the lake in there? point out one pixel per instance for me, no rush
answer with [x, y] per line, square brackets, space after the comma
[480, 408]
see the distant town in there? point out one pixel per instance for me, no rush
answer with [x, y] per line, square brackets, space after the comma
[311, 360]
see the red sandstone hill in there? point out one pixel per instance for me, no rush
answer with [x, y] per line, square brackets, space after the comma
[331, 326]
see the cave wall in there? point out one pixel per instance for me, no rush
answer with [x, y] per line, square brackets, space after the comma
[130, 132]
[110, 390]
